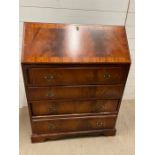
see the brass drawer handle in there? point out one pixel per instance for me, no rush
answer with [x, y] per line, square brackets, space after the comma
[51, 126]
[48, 77]
[51, 109]
[106, 76]
[100, 124]
[100, 107]
[50, 94]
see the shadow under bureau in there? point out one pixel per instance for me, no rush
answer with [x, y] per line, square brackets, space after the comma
[74, 78]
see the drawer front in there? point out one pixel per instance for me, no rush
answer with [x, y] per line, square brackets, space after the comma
[73, 124]
[77, 76]
[66, 92]
[72, 107]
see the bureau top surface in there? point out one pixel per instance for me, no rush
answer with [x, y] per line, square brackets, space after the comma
[73, 43]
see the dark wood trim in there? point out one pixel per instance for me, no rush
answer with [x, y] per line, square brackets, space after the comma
[74, 115]
[56, 136]
[26, 92]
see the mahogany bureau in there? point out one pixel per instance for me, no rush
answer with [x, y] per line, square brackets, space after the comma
[74, 78]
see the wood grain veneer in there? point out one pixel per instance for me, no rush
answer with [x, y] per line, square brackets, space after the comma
[74, 78]
[62, 43]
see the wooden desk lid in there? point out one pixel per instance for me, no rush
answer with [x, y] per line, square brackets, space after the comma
[60, 43]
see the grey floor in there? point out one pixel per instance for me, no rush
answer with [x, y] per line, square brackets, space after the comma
[121, 144]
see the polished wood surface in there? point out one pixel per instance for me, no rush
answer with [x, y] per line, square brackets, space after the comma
[74, 78]
[55, 107]
[60, 43]
[87, 75]
[73, 124]
[75, 92]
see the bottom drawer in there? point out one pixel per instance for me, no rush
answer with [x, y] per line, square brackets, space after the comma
[73, 124]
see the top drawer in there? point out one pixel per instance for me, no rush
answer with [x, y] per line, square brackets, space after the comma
[76, 76]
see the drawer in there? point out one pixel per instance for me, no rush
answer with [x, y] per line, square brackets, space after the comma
[73, 124]
[76, 76]
[72, 107]
[75, 92]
